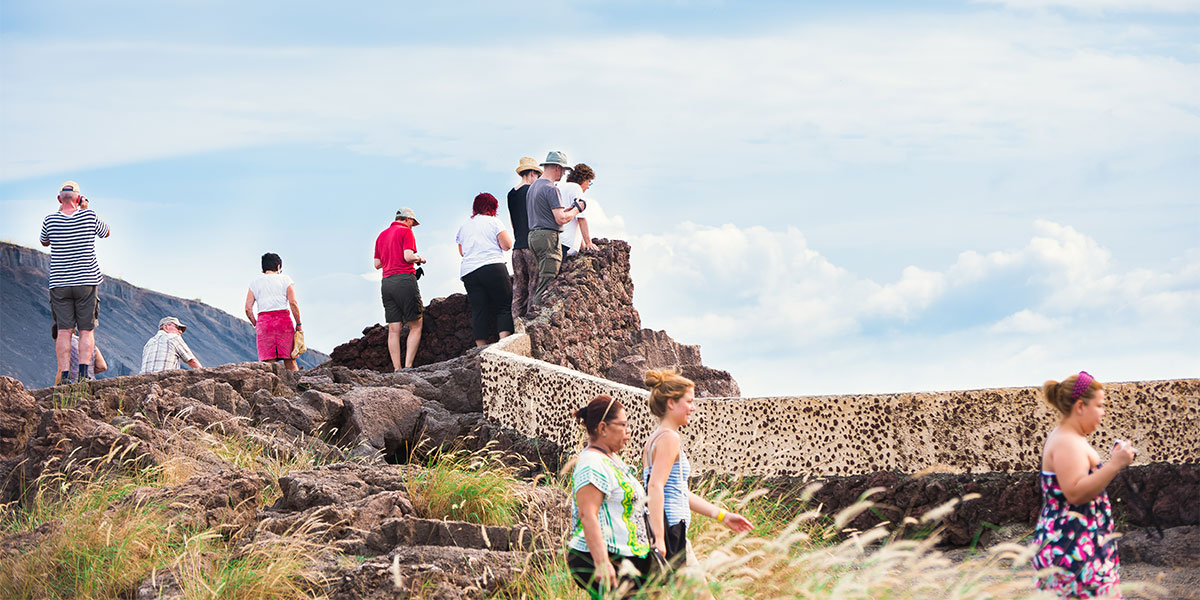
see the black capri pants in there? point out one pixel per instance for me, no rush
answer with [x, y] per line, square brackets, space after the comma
[583, 571]
[489, 292]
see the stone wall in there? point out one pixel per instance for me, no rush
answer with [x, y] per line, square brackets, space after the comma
[974, 431]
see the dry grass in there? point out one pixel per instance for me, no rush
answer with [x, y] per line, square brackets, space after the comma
[278, 569]
[796, 553]
[245, 452]
[78, 538]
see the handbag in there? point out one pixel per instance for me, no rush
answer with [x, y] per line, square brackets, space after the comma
[298, 346]
[659, 563]
[676, 538]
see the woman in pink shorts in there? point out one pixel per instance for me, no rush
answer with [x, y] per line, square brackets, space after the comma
[275, 294]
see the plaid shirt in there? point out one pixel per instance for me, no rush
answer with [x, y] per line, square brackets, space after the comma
[165, 351]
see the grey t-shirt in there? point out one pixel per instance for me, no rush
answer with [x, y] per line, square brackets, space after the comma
[542, 199]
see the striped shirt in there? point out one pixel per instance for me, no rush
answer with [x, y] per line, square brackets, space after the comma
[72, 240]
[623, 512]
[675, 493]
[165, 351]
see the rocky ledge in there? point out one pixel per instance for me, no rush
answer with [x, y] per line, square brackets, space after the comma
[362, 437]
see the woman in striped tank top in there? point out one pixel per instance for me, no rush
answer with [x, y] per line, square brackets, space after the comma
[672, 400]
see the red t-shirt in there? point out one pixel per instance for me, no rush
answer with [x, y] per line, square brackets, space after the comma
[390, 247]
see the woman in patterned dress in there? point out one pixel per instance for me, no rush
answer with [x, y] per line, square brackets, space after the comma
[1077, 552]
[609, 532]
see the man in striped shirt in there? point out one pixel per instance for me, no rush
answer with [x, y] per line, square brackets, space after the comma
[74, 276]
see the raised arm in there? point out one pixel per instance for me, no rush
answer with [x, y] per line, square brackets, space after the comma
[1071, 466]
[413, 257]
[562, 216]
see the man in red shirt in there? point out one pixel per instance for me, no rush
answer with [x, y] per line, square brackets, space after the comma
[396, 254]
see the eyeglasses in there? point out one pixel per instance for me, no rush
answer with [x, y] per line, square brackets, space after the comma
[617, 423]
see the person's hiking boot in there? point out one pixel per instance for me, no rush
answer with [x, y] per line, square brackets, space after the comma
[83, 373]
[64, 378]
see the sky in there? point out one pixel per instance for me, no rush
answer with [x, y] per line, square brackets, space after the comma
[849, 197]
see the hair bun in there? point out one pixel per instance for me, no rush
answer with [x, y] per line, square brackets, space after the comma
[581, 414]
[654, 379]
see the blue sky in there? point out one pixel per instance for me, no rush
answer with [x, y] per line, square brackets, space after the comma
[828, 197]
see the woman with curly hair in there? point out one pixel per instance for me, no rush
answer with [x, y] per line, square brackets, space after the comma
[482, 241]
[576, 237]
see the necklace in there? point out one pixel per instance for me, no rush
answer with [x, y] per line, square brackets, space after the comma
[601, 450]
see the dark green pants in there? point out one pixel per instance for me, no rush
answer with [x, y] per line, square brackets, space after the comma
[545, 246]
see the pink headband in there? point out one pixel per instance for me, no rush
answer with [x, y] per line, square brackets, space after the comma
[1081, 385]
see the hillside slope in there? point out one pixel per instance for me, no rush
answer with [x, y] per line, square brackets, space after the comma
[128, 317]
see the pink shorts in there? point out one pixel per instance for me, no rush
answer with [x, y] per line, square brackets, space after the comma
[275, 335]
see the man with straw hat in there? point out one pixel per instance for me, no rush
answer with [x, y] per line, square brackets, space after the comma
[523, 261]
[546, 218]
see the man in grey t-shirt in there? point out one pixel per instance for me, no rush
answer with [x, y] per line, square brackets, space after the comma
[546, 218]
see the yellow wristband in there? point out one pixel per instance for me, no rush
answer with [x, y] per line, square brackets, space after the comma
[720, 516]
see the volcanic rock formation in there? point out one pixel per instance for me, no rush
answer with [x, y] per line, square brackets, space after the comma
[588, 323]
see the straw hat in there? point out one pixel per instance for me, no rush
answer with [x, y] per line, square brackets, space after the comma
[528, 164]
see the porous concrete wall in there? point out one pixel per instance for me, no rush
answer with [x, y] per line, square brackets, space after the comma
[964, 431]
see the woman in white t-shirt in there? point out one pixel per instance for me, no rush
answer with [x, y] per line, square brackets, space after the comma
[482, 241]
[575, 236]
[275, 294]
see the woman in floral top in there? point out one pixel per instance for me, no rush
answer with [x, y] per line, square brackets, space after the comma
[1077, 552]
[610, 508]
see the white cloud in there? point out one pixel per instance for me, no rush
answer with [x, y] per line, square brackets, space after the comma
[971, 88]
[749, 295]
[1026, 321]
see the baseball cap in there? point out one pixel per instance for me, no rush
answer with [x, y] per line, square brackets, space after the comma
[407, 213]
[70, 186]
[173, 321]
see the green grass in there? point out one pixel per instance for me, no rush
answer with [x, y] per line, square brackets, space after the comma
[477, 487]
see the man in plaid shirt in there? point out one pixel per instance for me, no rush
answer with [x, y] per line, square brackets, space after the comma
[166, 350]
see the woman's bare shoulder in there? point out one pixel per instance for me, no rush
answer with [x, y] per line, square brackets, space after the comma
[1066, 445]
